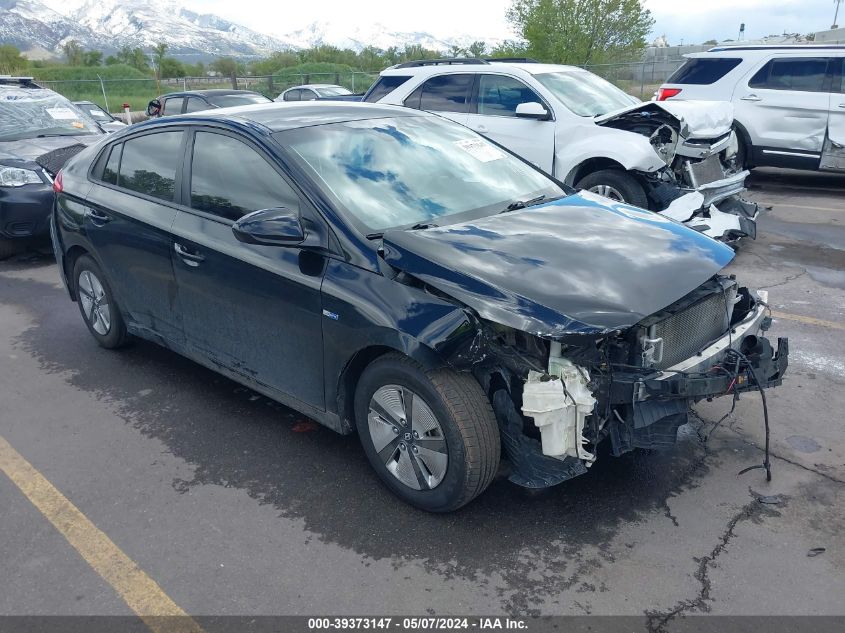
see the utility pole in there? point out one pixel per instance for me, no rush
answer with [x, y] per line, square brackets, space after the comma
[836, 14]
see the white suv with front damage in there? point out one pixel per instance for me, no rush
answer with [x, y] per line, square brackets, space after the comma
[678, 159]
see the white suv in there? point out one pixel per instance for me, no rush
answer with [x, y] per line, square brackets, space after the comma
[676, 159]
[789, 101]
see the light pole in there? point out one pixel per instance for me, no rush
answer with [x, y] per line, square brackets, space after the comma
[836, 14]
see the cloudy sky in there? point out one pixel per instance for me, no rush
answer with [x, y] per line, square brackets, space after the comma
[690, 21]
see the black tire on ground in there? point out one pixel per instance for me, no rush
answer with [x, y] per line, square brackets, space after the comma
[114, 335]
[615, 182]
[465, 416]
[743, 152]
[9, 247]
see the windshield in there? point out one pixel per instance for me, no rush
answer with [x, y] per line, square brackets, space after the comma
[332, 91]
[402, 171]
[31, 113]
[228, 101]
[95, 112]
[584, 93]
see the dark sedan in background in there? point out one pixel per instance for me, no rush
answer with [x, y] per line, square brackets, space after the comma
[201, 100]
[389, 272]
[39, 131]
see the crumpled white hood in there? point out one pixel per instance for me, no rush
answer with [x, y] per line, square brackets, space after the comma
[702, 119]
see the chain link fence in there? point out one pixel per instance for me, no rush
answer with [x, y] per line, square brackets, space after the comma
[112, 94]
[640, 79]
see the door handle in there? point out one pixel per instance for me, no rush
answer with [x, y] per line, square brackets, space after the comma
[481, 128]
[751, 97]
[842, 105]
[191, 258]
[98, 217]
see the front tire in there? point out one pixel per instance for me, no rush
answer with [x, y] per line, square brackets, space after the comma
[97, 304]
[616, 185]
[431, 436]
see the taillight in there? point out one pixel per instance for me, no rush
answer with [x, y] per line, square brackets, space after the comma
[667, 93]
[57, 183]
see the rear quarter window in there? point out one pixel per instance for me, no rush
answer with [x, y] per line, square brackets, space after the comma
[112, 165]
[704, 70]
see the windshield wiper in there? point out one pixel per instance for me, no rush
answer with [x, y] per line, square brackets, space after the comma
[377, 235]
[521, 204]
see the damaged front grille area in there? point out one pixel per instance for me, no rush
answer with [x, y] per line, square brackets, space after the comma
[683, 334]
[704, 172]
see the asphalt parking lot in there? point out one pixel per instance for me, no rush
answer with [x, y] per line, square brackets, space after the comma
[233, 505]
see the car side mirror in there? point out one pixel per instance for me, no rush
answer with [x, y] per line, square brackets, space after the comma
[533, 110]
[279, 226]
[153, 108]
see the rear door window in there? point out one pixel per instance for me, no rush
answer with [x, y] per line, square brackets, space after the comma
[230, 179]
[800, 74]
[704, 70]
[446, 93]
[384, 86]
[173, 105]
[149, 164]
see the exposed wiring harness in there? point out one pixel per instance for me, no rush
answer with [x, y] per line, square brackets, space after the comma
[766, 465]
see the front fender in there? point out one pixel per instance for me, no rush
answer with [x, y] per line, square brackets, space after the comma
[629, 149]
[366, 313]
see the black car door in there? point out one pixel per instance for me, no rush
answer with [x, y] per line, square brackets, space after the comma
[130, 211]
[251, 310]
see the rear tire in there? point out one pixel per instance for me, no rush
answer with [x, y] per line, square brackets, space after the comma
[441, 450]
[616, 185]
[8, 248]
[97, 304]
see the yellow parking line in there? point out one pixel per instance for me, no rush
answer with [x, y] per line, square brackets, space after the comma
[140, 592]
[808, 320]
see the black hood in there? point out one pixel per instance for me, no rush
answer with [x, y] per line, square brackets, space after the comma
[581, 264]
[28, 149]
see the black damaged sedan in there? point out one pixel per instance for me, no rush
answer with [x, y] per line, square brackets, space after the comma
[391, 273]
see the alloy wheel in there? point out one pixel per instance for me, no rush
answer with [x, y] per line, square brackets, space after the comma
[407, 437]
[95, 305]
[608, 192]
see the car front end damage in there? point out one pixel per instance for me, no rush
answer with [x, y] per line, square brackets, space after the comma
[587, 321]
[700, 183]
[556, 399]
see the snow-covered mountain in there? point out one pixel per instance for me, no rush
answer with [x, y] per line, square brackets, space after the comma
[110, 24]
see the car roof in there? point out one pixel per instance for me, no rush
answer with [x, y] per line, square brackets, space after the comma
[278, 116]
[531, 68]
[216, 92]
[11, 81]
[762, 50]
[315, 86]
